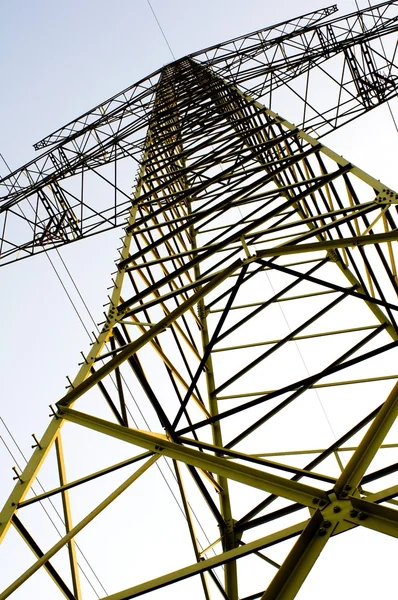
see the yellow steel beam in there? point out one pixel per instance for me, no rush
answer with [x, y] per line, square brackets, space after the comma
[349, 242]
[374, 516]
[85, 383]
[370, 444]
[300, 560]
[274, 484]
[39, 553]
[210, 563]
[383, 495]
[85, 479]
[75, 530]
[68, 519]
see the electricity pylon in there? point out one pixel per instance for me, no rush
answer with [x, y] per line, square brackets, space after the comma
[254, 303]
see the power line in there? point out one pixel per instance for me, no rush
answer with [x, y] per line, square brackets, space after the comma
[161, 29]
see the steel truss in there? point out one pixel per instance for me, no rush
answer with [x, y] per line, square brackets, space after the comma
[256, 282]
[324, 73]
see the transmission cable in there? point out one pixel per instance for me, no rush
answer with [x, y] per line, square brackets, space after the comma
[161, 29]
[19, 448]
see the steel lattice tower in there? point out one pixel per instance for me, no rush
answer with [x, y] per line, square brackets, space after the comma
[255, 293]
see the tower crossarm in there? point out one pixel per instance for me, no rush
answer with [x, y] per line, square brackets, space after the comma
[263, 61]
[111, 108]
[75, 189]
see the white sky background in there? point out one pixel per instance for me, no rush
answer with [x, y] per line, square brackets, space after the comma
[58, 59]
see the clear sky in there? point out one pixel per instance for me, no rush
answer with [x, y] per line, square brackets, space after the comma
[58, 59]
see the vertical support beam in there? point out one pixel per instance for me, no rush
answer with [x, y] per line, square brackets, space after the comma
[190, 526]
[228, 536]
[68, 519]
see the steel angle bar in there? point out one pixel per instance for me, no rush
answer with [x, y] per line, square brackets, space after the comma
[247, 521]
[75, 530]
[380, 473]
[362, 295]
[383, 495]
[260, 306]
[374, 516]
[338, 364]
[74, 569]
[210, 345]
[209, 563]
[369, 446]
[159, 443]
[76, 482]
[306, 382]
[39, 553]
[257, 460]
[188, 516]
[132, 348]
[281, 343]
[300, 560]
[350, 242]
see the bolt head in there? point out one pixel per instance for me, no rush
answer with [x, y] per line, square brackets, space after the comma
[327, 524]
[336, 509]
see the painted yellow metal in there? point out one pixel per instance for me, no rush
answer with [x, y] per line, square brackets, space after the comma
[300, 559]
[274, 484]
[68, 519]
[371, 442]
[46, 442]
[78, 527]
[209, 563]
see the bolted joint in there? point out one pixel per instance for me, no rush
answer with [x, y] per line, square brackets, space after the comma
[386, 196]
[326, 524]
[201, 311]
[333, 256]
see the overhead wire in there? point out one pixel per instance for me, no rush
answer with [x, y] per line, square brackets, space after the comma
[18, 446]
[161, 29]
[385, 56]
